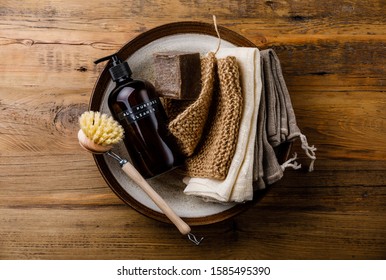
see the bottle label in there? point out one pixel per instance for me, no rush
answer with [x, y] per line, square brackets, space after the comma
[139, 111]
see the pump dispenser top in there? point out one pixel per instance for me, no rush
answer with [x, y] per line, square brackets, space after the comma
[119, 69]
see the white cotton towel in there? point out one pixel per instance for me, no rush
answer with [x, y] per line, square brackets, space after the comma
[238, 185]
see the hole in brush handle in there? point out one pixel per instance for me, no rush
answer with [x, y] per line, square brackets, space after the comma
[120, 160]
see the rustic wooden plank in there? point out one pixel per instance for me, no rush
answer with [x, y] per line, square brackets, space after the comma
[263, 31]
[320, 58]
[268, 234]
[335, 236]
[264, 22]
[293, 11]
[54, 204]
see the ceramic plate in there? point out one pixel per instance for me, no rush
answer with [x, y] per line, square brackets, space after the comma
[180, 36]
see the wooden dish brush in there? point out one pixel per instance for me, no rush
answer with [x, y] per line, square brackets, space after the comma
[98, 134]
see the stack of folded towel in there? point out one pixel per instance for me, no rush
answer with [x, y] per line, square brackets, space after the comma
[276, 124]
[251, 115]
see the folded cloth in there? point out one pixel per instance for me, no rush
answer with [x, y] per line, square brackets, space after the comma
[267, 169]
[238, 184]
[213, 156]
[215, 114]
[188, 119]
[276, 124]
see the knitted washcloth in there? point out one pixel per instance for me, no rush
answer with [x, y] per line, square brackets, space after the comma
[187, 119]
[237, 186]
[214, 154]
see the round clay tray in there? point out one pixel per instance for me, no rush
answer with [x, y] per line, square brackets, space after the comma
[179, 36]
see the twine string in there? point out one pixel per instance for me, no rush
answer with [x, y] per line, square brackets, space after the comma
[218, 34]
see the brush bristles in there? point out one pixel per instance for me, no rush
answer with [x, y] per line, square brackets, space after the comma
[100, 128]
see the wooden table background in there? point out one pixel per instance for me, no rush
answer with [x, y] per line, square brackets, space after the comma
[54, 203]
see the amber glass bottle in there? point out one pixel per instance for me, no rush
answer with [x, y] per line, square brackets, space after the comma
[136, 106]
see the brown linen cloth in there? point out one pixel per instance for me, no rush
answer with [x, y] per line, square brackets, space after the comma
[207, 130]
[214, 153]
[188, 119]
[267, 169]
[276, 124]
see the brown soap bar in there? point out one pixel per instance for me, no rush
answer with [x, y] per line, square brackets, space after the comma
[177, 75]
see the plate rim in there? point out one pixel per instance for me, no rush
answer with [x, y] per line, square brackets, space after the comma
[129, 48]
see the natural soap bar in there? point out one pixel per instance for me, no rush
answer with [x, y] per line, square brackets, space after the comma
[177, 75]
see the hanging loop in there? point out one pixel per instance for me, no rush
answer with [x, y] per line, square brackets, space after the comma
[218, 33]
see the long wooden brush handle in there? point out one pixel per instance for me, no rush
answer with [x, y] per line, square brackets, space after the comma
[157, 199]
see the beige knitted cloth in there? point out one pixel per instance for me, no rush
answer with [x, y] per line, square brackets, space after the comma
[214, 154]
[237, 186]
[187, 119]
[207, 130]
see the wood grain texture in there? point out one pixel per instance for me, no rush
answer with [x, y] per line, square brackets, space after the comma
[54, 204]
